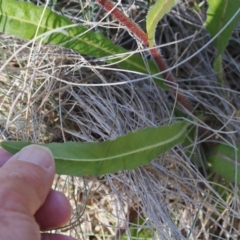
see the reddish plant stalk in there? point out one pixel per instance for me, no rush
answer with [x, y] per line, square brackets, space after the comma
[121, 17]
[138, 32]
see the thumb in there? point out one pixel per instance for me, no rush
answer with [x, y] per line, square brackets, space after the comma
[26, 180]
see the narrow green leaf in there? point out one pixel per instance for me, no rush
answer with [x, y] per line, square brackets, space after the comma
[223, 162]
[218, 15]
[155, 14]
[26, 20]
[126, 152]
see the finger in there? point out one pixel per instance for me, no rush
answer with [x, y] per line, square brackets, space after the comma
[4, 156]
[49, 236]
[55, 212]
[27, 178]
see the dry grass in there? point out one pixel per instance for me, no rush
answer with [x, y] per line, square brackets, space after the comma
[46, 96]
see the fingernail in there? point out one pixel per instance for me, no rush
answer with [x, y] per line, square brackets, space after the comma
[38, 155]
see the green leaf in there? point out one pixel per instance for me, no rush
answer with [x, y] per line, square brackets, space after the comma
[223, 162]
[26, 20]
[155, 14]
[126, 152]
[218, 15]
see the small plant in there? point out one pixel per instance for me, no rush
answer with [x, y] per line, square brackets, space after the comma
[54, 29]
[192, 128]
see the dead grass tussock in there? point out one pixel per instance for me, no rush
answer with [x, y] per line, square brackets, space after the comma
[44, 98]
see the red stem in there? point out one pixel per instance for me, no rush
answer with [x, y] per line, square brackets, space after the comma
[137, 31]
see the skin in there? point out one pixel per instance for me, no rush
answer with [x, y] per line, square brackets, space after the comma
[28, 205]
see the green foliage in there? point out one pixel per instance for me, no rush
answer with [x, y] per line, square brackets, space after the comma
[225, 161]
[27, 21]
[219, 14]
[126, 152]
[155, 14]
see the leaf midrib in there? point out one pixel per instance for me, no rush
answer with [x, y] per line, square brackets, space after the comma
[131, 152]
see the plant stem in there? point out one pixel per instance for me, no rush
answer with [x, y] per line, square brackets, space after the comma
[138, 32]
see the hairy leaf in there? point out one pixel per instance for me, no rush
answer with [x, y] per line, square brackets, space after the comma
[26, 20]
[155, 14]
[225, 160]
[126, 152]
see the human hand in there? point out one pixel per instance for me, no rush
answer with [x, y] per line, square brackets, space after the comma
[27, 203]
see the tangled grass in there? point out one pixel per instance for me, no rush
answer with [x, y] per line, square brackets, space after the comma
[50, 94]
